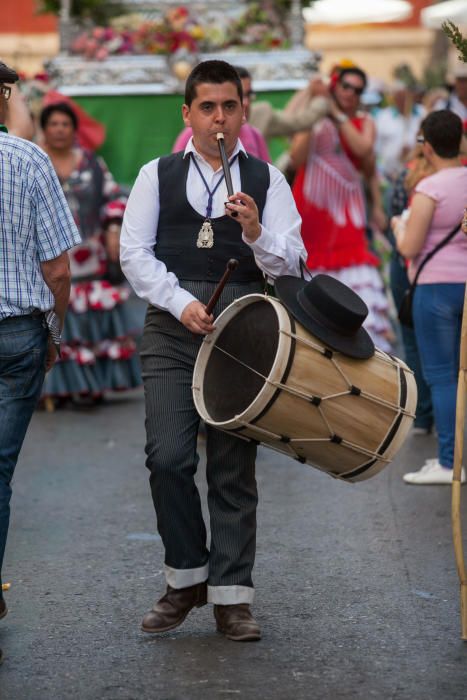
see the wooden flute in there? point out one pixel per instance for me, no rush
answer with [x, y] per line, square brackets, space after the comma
[225, 166]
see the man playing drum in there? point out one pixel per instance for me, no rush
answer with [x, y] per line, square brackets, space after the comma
[179, 230]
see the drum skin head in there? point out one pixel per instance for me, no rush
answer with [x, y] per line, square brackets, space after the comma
[250, 343]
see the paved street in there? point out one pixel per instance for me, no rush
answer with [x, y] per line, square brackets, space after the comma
[357, 591]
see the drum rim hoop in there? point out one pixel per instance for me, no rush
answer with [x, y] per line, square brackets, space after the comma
[284, 347]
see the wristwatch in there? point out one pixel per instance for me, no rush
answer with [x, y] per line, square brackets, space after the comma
[341, 118]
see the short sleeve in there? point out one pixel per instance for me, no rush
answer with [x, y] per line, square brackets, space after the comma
[429, 187]
[56, 231]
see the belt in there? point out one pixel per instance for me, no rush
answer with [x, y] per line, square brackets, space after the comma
[37, 313]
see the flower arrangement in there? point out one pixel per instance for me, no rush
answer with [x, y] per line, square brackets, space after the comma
[261, 26]
[101, 42]
[131, 34]
[175, 32]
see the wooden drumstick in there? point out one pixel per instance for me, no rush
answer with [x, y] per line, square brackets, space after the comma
[225, 167]
[229, 268]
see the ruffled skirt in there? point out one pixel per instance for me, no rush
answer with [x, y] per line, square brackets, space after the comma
[99, 351]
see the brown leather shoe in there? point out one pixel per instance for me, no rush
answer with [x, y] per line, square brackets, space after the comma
[170, 611]
[237, 623]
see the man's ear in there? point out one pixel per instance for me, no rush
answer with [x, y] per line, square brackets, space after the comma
[186, 115]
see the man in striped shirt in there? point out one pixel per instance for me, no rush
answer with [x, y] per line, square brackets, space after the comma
[36, 230]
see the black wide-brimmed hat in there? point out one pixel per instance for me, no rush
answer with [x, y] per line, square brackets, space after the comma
[7, 75]
[333, 312]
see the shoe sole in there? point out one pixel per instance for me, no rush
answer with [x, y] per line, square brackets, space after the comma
[430, 483]
[248, 637]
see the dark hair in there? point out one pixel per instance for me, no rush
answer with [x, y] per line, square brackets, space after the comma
[353, 71]
[443, 131]
[242, 72]
[216, 72]
[62, 107]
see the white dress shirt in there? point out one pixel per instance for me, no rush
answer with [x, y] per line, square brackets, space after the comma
[277, 251]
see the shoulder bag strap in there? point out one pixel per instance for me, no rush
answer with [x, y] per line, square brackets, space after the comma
[428, 257]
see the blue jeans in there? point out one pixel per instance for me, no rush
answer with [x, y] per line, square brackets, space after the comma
[437, 312]
[399, 283]
[23, 346]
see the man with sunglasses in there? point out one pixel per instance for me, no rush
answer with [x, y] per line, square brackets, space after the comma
[36, 230]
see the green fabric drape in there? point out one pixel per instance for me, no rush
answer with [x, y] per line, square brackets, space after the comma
[143, 127]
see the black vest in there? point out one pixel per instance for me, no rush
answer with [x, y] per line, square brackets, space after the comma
[179, 224]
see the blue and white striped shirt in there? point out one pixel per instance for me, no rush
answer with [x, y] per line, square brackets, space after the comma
[36, 225]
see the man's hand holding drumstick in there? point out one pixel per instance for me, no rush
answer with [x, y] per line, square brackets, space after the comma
[195, 318]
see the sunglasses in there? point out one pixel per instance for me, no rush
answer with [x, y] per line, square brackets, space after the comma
[420, 139]
[348, 86]
[5, 91]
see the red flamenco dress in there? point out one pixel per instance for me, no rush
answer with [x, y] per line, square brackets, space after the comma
[328, 192]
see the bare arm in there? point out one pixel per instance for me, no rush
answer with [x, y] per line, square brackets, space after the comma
[283, 123]
[361, 143]
[18, 117]
[411, 237]
[56, 275]
[300, 148]
[378, 216]
[301, 99]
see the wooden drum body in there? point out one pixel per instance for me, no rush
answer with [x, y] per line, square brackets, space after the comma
[262, 376]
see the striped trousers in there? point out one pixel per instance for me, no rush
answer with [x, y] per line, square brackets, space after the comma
[168, 354]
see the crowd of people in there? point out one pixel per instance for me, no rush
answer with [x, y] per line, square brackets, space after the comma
[356, 176]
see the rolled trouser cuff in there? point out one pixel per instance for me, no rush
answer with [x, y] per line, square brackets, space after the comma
[230, 595]
[183, 578]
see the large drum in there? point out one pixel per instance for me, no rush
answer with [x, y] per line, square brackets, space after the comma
[261, 376]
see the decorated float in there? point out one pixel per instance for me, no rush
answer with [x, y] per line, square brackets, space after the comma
[130, 74]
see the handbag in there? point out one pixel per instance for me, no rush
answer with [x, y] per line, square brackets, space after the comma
[405, 308]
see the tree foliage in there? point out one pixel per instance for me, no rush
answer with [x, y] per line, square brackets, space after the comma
[453, 32]
[96, 11]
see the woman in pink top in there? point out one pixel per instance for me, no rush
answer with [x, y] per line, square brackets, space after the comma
[436, 208]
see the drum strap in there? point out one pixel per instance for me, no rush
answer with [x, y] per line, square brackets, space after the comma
[305, 269]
